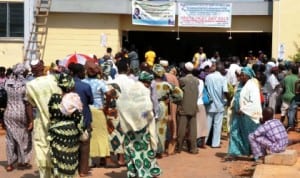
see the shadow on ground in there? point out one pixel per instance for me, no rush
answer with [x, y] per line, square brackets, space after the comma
[221, 155]
[114, 174]
[3, 163]
[34, 175]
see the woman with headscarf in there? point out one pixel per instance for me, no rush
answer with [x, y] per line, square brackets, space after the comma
[99, 145]
[146, 78]
[165, 93]
[246, 113]
[134, 112]
[65, 129]
[18, 127]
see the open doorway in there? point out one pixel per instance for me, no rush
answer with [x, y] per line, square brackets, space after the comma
[167, 46]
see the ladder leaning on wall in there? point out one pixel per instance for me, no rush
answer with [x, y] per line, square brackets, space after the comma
[38, 35]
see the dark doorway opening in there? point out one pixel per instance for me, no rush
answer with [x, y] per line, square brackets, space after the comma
[167, 46]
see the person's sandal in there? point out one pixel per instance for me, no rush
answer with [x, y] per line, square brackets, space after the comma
[9, 168]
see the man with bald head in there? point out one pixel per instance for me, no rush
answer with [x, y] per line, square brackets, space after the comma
[271, 136]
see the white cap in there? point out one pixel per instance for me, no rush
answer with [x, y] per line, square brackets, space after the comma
[189, 66]
[34, 62]
[164, 63]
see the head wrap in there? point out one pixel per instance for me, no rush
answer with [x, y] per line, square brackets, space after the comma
[238, 70]
[164, 63]
[145, 76]
[248, 71]
[19, 69]
[65, 82]
[17, 79]
[92, 68]
[158, 70]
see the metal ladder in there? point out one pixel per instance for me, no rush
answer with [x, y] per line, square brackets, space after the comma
[38, 35]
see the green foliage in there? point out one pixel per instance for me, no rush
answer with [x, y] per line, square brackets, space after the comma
[296, 57]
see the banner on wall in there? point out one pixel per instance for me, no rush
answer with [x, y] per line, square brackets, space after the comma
[204, 14]
[153, 13]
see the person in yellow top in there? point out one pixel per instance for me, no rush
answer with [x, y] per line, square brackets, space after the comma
[150, 56]
[199, 57]
[251, 59]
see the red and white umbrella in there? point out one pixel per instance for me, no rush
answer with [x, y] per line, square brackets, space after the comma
[76, 58]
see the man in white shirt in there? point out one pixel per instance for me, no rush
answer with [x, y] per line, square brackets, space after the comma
[272, 87]
[231, 73]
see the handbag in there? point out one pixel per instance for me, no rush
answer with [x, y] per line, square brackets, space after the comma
[84, 136]
[206, 96]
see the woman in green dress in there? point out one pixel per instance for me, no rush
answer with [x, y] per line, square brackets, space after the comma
[246, 114]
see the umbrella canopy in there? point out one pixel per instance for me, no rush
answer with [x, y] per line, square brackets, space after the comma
[76, 58]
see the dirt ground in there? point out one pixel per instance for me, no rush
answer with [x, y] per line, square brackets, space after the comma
[244, 166]
[208, 163]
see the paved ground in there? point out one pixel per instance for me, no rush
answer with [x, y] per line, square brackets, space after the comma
[208, 163]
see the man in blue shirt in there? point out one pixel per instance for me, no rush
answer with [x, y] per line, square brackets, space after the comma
[217, 87]
[85, 92]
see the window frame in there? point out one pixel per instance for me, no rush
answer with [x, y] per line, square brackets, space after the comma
[8, 36]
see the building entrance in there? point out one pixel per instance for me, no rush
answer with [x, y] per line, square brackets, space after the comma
[168, 46]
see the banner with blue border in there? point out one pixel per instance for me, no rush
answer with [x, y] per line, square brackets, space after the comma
[153, 13]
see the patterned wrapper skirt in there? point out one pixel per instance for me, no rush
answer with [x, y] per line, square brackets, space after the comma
[64, 144]
[140, 157]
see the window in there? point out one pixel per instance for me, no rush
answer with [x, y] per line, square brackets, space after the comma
[11, 19]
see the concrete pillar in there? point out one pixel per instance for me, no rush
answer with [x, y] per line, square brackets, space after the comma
[29, 6]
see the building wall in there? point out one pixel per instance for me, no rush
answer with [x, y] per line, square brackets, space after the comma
[82, 33]
[11, 52]
[286, 27]
[246, 24]
[11, 48]
[239, 7]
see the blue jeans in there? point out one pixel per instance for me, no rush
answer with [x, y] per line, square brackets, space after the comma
[292, 113]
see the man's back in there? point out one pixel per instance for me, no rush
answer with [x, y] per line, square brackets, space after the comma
[189, 85]
[39, 92]
[275, 132]
[85, 92]
[289, 87]
[216, 85]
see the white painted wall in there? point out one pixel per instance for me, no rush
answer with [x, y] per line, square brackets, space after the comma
[239, 7]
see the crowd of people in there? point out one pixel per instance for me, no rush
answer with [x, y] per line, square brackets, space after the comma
[124, 111]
